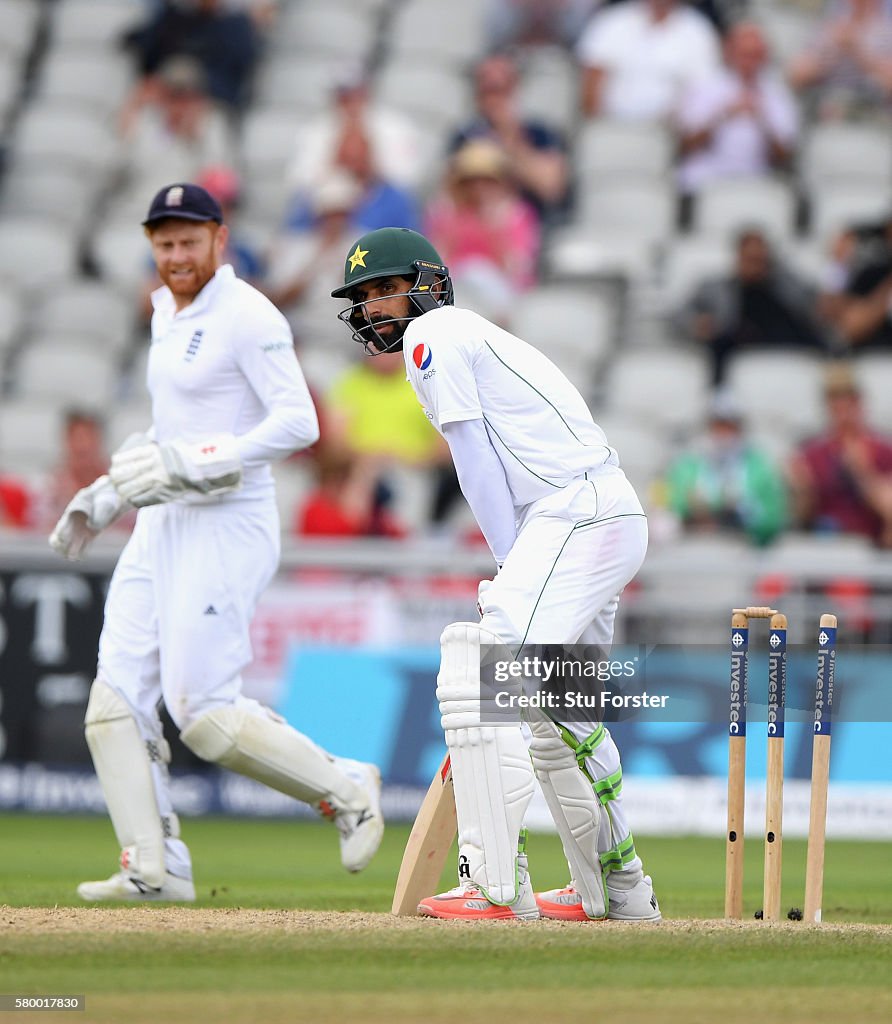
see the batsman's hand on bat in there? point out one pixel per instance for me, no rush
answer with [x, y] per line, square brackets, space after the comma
[155, 473]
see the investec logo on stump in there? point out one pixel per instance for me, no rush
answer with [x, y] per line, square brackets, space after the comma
[736, 720]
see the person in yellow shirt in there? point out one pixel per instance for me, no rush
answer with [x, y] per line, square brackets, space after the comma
[373, 414]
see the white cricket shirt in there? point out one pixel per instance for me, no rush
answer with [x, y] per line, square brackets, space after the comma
[226, 364]
[463, 367]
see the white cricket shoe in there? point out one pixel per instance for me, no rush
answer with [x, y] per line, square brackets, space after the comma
[632, 903]
[361, 831]
[122, 887]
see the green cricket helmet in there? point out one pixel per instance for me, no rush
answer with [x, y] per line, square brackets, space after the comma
[392, 252]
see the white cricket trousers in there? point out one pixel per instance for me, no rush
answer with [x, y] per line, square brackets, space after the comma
[178, 614]
[575, 552]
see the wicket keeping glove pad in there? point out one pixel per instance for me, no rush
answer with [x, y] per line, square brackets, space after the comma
[155, 473]
[89, 512]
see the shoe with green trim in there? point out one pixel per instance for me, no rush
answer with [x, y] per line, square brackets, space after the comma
[635, 902]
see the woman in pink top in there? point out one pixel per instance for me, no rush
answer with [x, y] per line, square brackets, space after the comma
[488, 236]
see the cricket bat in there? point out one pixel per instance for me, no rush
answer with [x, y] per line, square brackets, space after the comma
[428, 847]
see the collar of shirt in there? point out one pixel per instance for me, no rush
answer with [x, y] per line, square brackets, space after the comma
[163, 300]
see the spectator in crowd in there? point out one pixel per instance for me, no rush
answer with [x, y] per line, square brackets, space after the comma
[846, 71]
[372, 414]
[224, 42]
[487, 235]
[536, 153]
[348, 500]
[841, 481]
[740, 120]
[16, 505]
[302, 263]
[862, 318]
[522, 23]
[639, 57]
[84, 458]
[760, 304]
[355, 129]
[725, 482]
[177, 133]
[384, 202]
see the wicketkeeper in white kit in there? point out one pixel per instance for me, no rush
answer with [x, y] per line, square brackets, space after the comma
[228, 398]
[567, 533]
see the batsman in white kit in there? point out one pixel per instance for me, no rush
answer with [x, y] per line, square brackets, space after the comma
[567, 532]
[228, 398]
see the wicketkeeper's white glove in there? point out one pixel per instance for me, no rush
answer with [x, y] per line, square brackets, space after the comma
[89, 512]
[154, 473]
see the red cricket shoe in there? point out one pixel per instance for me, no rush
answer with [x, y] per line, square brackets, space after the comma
[467, 903]
[562, 905]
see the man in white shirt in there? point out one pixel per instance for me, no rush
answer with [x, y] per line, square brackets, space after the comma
[567, 533]
[741, 120]
[639, 57]
[228, 398]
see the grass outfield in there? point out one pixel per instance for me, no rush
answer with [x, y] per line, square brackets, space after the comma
[246, 952]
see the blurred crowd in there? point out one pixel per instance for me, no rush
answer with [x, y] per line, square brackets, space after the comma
[734, 92]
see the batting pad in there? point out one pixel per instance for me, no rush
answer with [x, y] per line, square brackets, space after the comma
[491, 770]
[252, 742]
[124, 769]
[574, 807]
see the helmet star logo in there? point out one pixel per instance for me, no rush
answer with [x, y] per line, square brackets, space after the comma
[358, 258]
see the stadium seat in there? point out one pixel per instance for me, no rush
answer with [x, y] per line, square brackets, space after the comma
[840, 153]
[10, 85]
[66, 135]
[836, 206]
[663, 386]
[131, 418]
[20, 20]
[69, 371]
[779, 390]
[643, 450]
[30, 432]
[726, 206]
[347, 31]
[579, 252]
[645, 210]
[121, 253]
[94, 22]
[11, 318]
[270, 138]
[433, 32]
[788, 30]
[35, 252]
[874, 374]
[303, 85]
[610, 149]
[87, 309]
[549, 89]
[429, 93]
[95, 77]
[42, 189]
[560, 318]
[689, 261]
